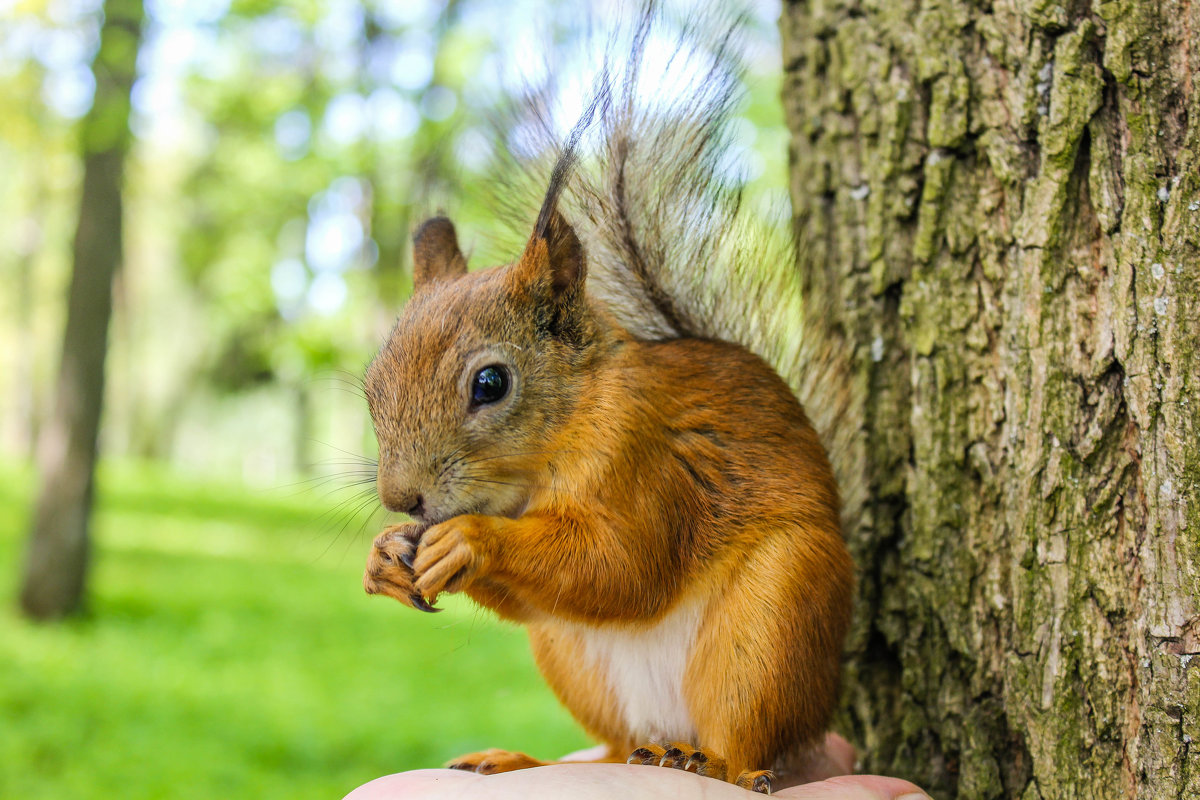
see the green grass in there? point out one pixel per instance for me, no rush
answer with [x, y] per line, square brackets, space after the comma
[229, 651]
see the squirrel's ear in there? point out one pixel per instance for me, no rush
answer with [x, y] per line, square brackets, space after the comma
[435, 252]
[554, 254]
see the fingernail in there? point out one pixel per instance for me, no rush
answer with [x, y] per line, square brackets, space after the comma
[914, 796]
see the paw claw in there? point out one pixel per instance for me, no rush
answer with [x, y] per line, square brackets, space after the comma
[673, 758]
[756, 781]
[643, 755]
[388, 571]
[420, 604]
[681, 755]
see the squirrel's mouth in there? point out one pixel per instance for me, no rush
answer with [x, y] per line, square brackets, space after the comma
[429, 516]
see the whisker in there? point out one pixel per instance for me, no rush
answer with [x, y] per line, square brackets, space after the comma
[341, 480]
[521, 454]
[357, 498]
[350, 515]
[354, 456]
[470, 479]
[345, 503]
[351, 391]
[452, 460]
[336, 384]
[353, 508]
[333, 470]
[339, 376]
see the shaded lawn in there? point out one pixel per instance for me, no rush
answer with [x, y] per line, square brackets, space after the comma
[229, 650]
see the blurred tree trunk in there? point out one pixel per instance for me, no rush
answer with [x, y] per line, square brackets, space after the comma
[57, 557]
[1002, 208]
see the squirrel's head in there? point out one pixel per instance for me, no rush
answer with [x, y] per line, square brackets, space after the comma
[479, 371]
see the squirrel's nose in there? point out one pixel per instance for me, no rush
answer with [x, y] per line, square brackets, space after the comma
[397, 498]
[417, 508]
[410, 503]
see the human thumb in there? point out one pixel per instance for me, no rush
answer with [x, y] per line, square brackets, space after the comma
[855, 787]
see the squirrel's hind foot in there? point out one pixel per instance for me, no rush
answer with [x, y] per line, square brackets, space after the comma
[758, 780]
[681, 755]
[702, 761]
[488, 762]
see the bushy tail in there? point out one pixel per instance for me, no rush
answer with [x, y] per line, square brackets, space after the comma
[673, 250]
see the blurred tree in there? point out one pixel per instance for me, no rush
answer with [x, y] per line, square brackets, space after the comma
[30, 139]
[57, 560]
[334, 128]
[283, 152]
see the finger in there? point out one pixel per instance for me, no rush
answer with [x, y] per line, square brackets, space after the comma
[406, 532]
[391, 550]
[839, 755]
[433, 535]
[403, 592]
[562, 781]
[834, 757]
[855, 787]
[415, 784]
[434, 580]
[458, 580]
[430, 551]
[604, 781]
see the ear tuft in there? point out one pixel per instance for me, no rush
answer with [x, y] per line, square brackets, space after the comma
[555, 253]
[435, 252]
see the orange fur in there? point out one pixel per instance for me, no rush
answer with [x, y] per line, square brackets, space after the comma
[618, 483]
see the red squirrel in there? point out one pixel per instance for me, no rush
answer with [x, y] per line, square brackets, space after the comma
[650, 501]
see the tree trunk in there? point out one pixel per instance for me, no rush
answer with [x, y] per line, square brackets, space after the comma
[57, 558]
[1001, 204]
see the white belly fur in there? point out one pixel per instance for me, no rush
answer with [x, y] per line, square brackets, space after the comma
[644, 666]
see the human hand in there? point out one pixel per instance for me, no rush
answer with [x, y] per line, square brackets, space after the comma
[585, 781]
[606, 781]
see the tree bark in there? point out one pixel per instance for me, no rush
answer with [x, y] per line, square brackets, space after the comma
[57, 558]
[1001, 207]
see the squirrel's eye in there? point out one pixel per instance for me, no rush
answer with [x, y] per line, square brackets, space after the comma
[490, 384]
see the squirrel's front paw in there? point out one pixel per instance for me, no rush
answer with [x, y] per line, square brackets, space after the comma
[489, 762]
[448, 558]
[390, 565]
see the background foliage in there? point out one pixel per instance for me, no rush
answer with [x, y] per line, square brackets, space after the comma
[282, 153]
